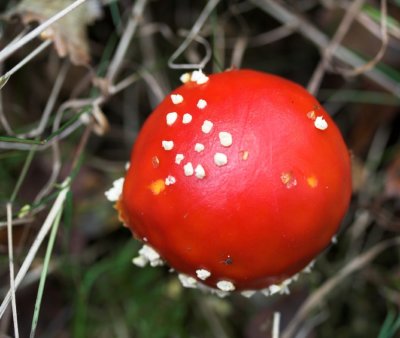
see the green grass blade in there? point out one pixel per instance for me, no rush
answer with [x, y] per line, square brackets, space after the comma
[115, 14]
[54, 134]
[23, 174]
[390, 326]
[10, 139]
[43, 276]
[67, 124]
[376, 14]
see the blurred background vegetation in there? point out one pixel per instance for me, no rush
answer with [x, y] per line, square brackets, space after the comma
[72, 101]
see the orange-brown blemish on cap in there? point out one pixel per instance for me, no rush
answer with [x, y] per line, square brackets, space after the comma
[312, 181]
[244, 155]
[121, 213]
[155, 162]
[157, 187]
[311, 115]
[288, 179]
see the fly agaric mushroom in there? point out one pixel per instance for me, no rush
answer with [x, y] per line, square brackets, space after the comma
[237, 180]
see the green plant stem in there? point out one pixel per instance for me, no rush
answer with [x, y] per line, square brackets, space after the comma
[23, 174]
[43, 276]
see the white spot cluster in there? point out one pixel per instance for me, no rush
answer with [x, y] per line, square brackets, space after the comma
[225, 285]
[225, 138]
[187, 281]
[201, 104]
[147, 255]
[247, 293]
[176, 98]
[170, 180]
[220, 159]
[192, 283]
[167, 145]
[203, 274]
[179, 158]
[171, 118]
[115, 192]
[282, 288]
[196, 76]
[185, 77]
[207, 126]
[187, 118]
[140, 261]
[188, 169]
[199, 147]
[309, 267]
[199, 77]
[200, 173]
[320, 123]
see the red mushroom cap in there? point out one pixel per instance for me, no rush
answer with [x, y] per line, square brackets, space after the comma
[238, 181]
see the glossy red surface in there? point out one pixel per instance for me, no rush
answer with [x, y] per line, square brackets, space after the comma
[264, 215]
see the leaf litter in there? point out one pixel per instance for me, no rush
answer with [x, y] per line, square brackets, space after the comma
[69, 33]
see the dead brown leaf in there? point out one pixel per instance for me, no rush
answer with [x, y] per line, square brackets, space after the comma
[69, 33]
[392, 181]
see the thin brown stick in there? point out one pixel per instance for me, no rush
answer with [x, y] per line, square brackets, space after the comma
[285, 15]
[322, 292]
[211, 4]
[381, 52]
[344, 26]
[115, 65]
